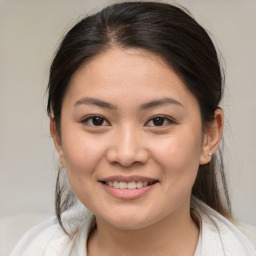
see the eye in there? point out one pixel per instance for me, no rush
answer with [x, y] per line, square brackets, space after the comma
[159, 121]
[95, 121]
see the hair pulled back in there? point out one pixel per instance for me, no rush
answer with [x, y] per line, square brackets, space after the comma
[172, 34]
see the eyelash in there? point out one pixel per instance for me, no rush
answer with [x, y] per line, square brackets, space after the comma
[101, 120]
[164, 119]
[89, 121]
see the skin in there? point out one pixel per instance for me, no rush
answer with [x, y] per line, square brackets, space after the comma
[129, 143]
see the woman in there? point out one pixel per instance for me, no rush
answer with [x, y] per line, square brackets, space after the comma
[134, 95]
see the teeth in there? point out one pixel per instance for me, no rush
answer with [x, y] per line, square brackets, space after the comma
[138, 184]
[116, 184]
[122, 185]
[127, 185]
[132, 185]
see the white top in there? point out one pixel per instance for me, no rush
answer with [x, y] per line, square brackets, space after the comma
[217, 235]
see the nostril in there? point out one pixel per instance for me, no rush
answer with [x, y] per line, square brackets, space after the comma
[117, 156]
[127, 158]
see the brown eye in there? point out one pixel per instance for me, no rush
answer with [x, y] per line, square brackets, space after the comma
[95, 121]
[159, 121]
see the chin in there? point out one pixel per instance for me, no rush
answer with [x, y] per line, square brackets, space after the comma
[129, 220]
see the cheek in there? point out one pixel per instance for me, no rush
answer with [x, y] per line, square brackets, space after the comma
[179, 156]
[81, 157]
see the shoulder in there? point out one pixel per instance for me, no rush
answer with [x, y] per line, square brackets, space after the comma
[48, 239]
[40, 239]
[220, 236]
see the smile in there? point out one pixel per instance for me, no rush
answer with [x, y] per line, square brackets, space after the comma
[128, 188]
[129, 185]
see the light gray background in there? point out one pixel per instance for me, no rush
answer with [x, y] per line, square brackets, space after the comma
[29, 34]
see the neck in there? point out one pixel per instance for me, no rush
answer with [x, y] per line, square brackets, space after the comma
[166, 237]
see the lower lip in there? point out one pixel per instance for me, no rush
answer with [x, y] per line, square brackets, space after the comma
[128, 193]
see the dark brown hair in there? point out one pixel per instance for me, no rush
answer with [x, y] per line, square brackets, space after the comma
[167, 31]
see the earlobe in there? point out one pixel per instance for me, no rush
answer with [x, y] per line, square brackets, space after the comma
[57, 140]
[212, 137]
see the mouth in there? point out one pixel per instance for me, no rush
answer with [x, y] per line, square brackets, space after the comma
[128, 185]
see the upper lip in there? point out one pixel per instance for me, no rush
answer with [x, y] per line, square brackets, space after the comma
[128, 178]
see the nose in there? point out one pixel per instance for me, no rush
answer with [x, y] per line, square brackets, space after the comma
[127, 148]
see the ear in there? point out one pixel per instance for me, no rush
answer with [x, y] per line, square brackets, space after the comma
[57, 140]
[212, 137]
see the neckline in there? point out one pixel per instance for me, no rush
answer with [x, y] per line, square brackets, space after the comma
[83, 234]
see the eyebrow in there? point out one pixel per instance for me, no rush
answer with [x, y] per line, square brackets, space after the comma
[160, 102]
[93, 101]
[148, 105]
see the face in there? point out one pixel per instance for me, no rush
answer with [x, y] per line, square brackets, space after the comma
[131, 139]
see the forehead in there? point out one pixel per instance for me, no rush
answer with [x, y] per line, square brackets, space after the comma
[127, 73]
[115, 63]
